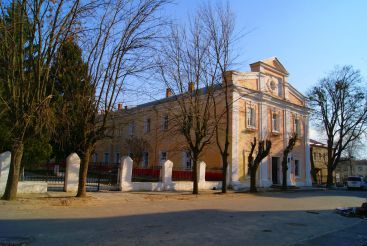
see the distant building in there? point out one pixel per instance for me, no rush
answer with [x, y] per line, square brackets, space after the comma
[348, 168]
[319, 160]
[263, 105]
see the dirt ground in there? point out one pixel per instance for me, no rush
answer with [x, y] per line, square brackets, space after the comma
[211, 218]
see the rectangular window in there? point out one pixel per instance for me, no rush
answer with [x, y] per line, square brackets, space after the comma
[165, 123]
[251, 118]
[162, 157]
[131, 128]
[297, 168]
[94, 157]
[147, 125]
[297, 127]
[275, 122]
[117, 158]
[106, 157]
[145, 159]
[187, 162]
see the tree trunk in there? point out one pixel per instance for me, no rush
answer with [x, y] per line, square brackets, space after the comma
[195, 188]
[253, 188]
[225, 167]
[83, 172]
[13, 178]
[284, 171]
[329, 182]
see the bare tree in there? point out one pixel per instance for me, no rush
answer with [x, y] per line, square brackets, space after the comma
[30, 32]
[118, 45]
[136, 146]
[263, 151]
[291, 143]
[188, 68]
[339, 106]
[220, 26]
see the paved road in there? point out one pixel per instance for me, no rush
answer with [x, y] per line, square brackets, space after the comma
[294, 218]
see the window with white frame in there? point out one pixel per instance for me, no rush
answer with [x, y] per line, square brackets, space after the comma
[145, 159]
[106, 157]
[251, 117]
[297, 170]
[275, 122]
[162, 157]
[131, 128]
[147, 125]
[297, 126]
[187, 161]
[165, 122]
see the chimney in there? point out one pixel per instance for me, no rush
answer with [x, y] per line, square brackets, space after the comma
[191, 86]
[168, 92]
[119, 106]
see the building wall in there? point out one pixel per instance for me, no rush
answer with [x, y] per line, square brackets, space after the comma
[265, 89]
[267, 100]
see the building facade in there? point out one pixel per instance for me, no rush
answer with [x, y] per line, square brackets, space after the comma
[263, 105]
[319, 162]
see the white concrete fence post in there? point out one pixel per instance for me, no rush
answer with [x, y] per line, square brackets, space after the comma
[126, 170]
[201, 171]
[5, 159]
[72, 173]
[167, 174]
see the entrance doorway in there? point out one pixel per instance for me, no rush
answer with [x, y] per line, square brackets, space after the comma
[275, 169]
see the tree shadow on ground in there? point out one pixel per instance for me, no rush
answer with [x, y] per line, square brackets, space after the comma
[195, 227]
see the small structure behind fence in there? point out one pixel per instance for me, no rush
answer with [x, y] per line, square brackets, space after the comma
[52, 173]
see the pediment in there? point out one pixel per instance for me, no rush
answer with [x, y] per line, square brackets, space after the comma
[272, 63]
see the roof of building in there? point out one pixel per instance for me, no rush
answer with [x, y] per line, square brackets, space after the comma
[273, 62]
[316, 143]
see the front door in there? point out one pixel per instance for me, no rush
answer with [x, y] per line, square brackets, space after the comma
[274, 168]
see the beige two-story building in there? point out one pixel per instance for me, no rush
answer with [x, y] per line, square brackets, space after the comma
[263, 105]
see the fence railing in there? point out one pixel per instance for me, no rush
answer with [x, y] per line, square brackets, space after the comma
[152, 174]
[49, 172]
[214, 174]
[182, 174]
[102, 174]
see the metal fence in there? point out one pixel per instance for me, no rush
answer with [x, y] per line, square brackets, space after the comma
[182, 174]
[152, 174]
[52, 173]
[214, 174]
[102, 176]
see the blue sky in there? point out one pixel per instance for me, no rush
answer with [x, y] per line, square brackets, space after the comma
[308, 37]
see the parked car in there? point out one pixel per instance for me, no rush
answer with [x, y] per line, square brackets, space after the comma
[356, 182]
